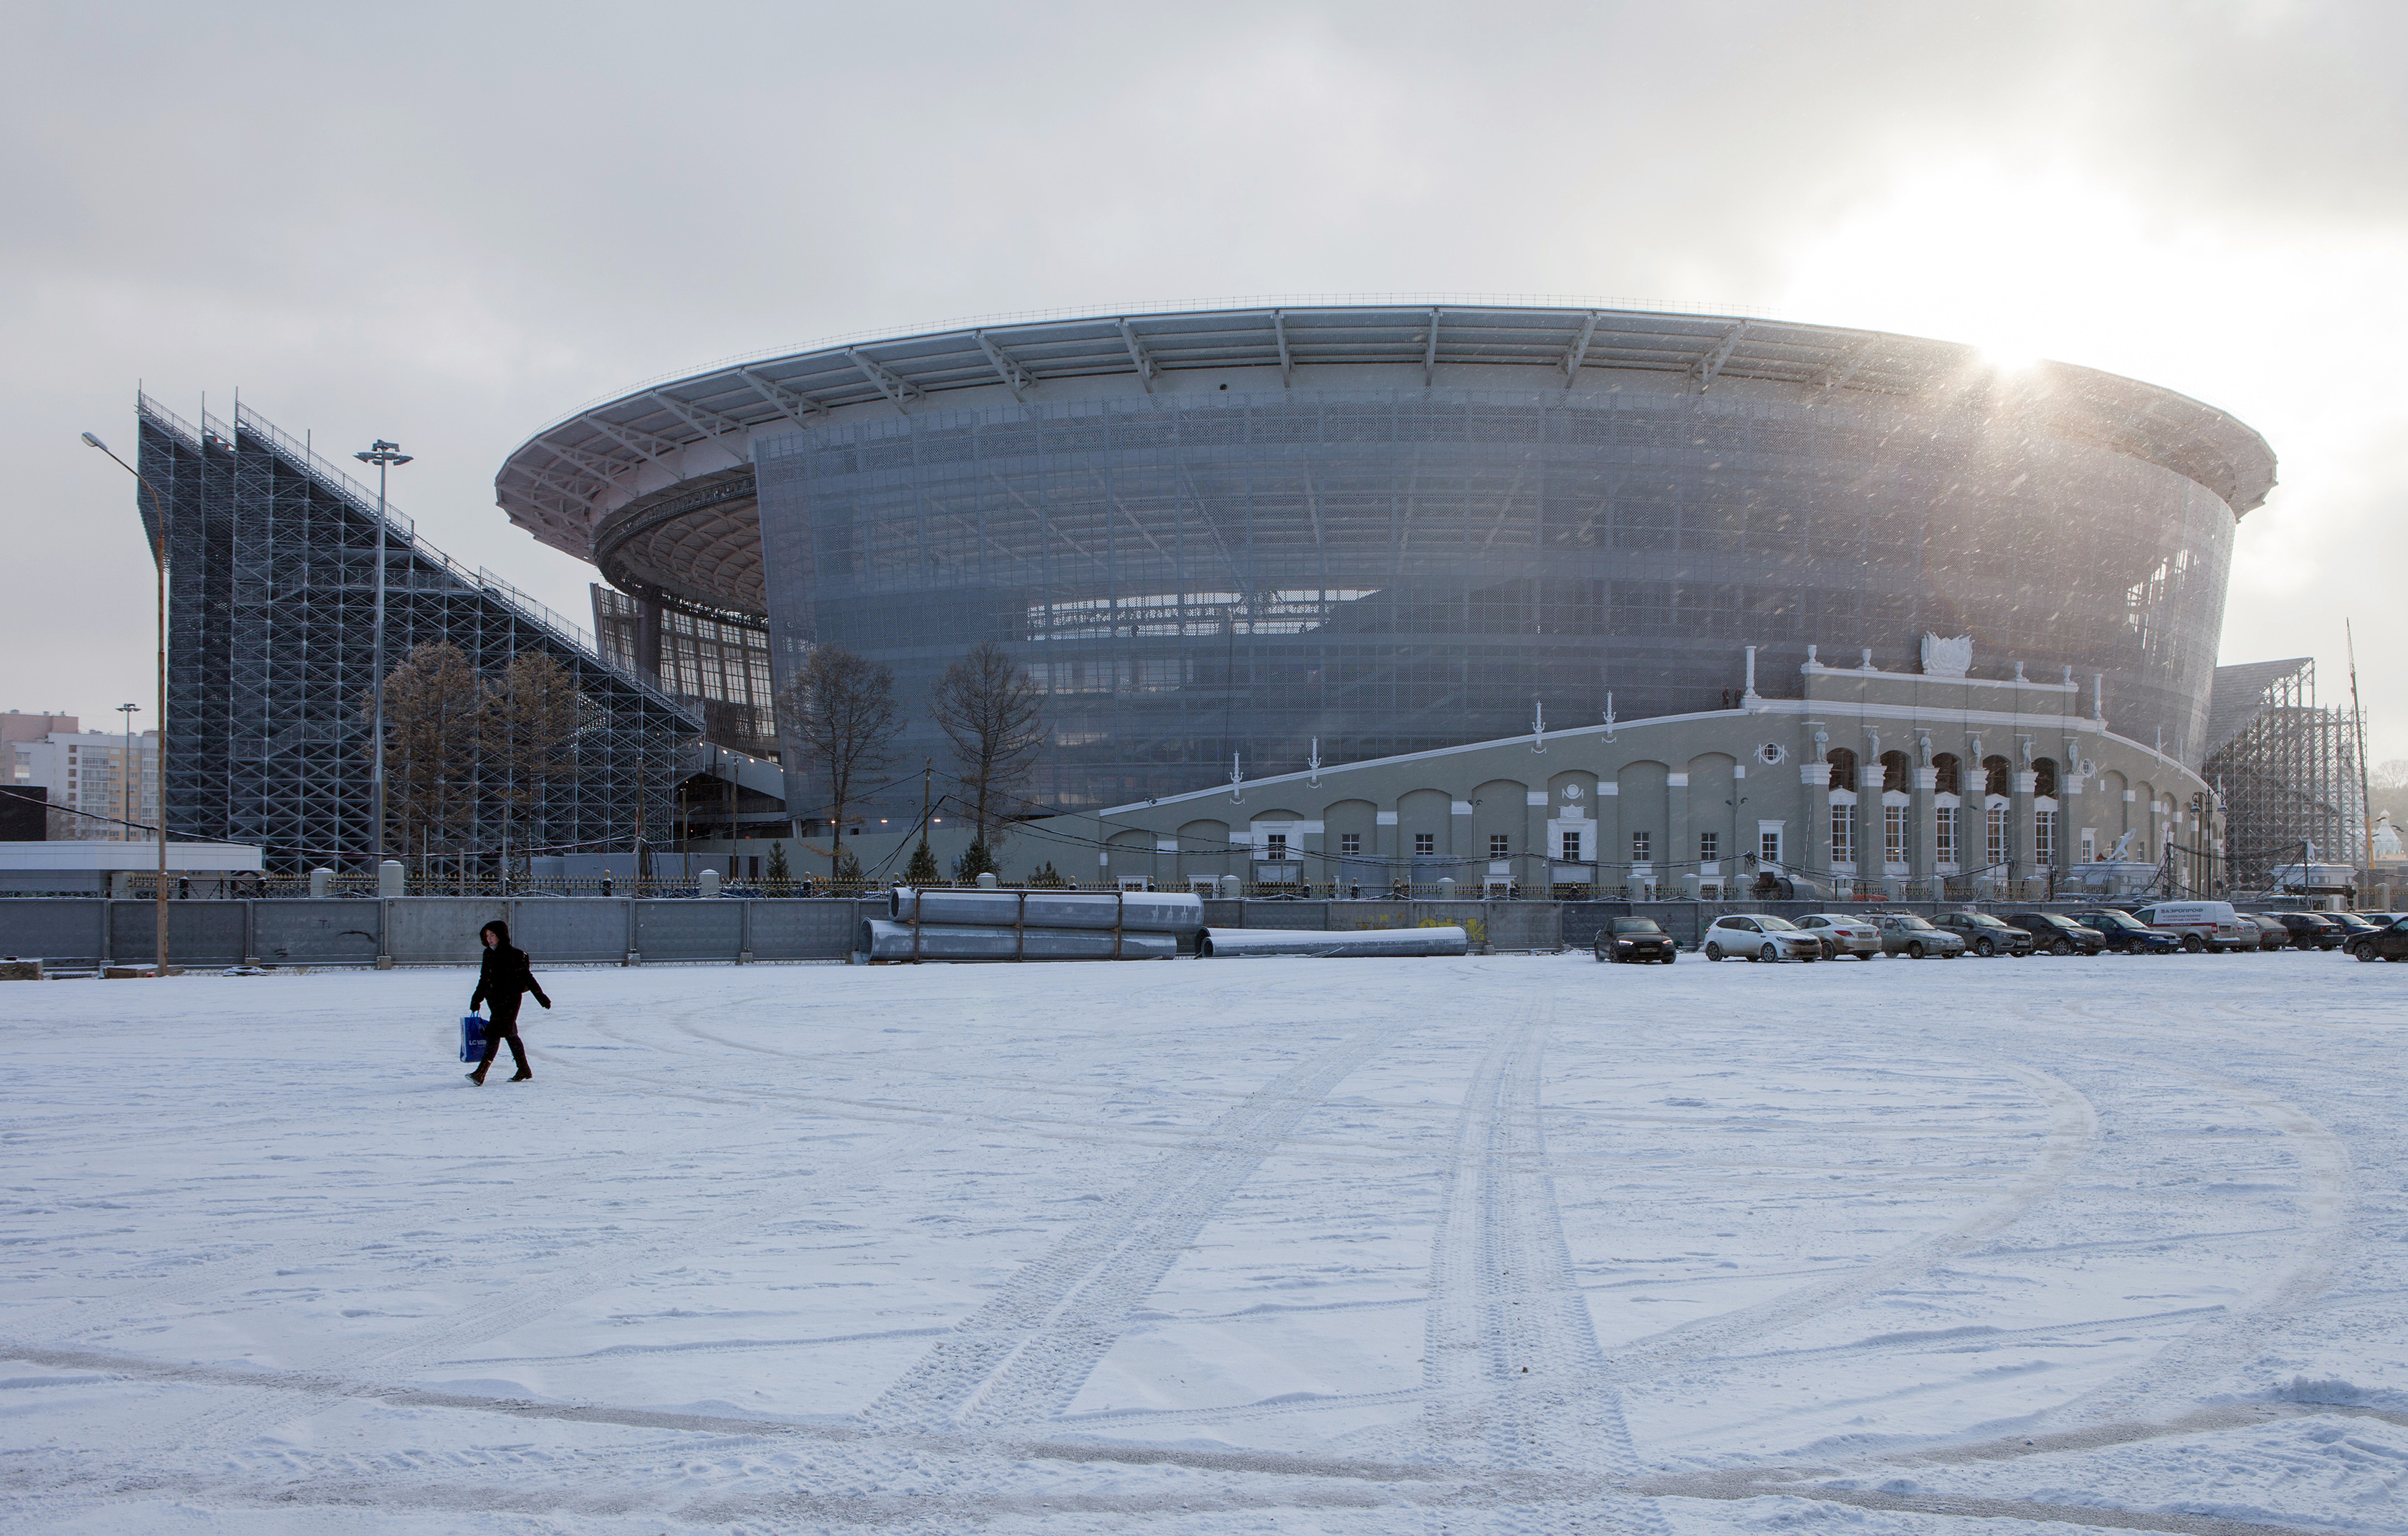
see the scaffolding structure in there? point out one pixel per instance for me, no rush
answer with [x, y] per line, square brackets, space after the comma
[714, 664]
[271, 602]
[2286, 768]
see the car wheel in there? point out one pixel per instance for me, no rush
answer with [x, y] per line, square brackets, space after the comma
[1914, 950]
[1767, 954]
[1983, 948]
[1670, 958]
[2062, 948]
[2191, 944]
[2364, 951]
[1713, 951]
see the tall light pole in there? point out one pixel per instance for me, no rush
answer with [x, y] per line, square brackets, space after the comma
[384, 456]
[159, 555]
[128, 710]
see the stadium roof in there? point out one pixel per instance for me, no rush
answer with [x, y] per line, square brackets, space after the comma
[676, 455]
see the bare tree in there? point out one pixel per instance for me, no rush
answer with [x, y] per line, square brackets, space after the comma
[530, 715]
[432, 704]
[989, 709]
[840, 707]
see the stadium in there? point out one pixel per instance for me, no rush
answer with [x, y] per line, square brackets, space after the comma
[1341, 532]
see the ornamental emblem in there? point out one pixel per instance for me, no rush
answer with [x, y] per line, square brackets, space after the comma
[1772, 753]
[1947, 658]
[1571, 792]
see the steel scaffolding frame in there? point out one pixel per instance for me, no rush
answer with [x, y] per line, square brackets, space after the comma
[272, 569]
[2286, 768]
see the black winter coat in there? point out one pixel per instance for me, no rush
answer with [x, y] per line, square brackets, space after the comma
[505, 975]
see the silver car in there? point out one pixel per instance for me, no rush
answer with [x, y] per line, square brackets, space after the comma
[1765, 938]
[1904, 933]
[1843, 933]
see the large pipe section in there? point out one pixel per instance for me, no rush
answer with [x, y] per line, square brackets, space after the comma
[883, 940]
[1131, 911]
[1245, 943]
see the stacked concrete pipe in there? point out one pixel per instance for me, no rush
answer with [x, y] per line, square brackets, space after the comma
[1029, 926]
[1246, 944]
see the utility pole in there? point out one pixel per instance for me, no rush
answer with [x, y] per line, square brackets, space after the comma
[159, 552]
[2365, 789]
[384, 456]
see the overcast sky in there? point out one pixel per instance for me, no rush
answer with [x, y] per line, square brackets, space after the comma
[449, 224]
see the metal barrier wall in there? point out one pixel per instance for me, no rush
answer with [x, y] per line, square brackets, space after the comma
[76, 932]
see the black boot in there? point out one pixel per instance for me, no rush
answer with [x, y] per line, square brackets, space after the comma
[477, 1077]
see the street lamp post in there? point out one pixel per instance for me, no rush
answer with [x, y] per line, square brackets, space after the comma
[128, 712]
[159, 553]
[384, 455]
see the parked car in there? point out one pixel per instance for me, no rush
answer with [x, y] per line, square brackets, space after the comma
[2354, 925]
[1843, 933]
[1765, 938]
[2052, 934]
[1626, 940]
[2127, 935]
[2202, 924]
[2389, 943]
[2308, 930]
[2271, 935]
[1985, 935]
[1904, 933]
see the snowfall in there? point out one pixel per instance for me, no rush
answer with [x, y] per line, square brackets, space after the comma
[1507, 1243]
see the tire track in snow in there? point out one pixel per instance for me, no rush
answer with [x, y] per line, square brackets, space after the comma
[2161, 1386]
[1027, 1351]
[539, 1294]
[2073, 1128]
[1513, 1374]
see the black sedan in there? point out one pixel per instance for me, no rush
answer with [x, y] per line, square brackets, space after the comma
[2127, 935]
[2389, 943]
[2310, 930]
[2052, 934]
[1629, 939]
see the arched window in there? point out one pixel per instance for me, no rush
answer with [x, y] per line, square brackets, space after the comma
[1944, 769]
[2044, 777]
[1843, 768]
[2002, 775]
[1896, 774]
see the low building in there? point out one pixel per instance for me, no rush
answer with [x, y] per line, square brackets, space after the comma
[1936, 783]
[84, 867]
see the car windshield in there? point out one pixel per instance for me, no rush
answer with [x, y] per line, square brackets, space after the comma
[2053, 920]
[1913, 922]
[1983, 920]
[2111, 920]
[1778, 924]
[1636, 924]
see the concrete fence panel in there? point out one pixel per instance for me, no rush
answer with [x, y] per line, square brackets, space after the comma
[572, 928]
[63, 930]
[689, 930]
[441, 930]
[199, 933]
[315, 933]
[799, 929]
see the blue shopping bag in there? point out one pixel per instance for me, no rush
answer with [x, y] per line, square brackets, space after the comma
[472, 1039]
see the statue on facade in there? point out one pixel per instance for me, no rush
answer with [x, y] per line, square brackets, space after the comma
[1947, 658]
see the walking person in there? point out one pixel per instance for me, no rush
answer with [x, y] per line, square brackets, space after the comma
[503, 979]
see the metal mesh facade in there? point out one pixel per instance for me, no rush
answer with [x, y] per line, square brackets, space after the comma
[715, 666]
[2287, 769]
[272, 561]
[1202, 574]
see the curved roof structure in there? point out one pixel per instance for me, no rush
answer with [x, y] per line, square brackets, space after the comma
[655, 487]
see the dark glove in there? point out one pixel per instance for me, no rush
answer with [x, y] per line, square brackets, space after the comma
[547, 1003]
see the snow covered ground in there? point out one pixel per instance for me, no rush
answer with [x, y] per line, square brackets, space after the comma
[1508, 1243]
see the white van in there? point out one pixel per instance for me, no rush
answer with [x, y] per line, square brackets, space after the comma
[2201, 924]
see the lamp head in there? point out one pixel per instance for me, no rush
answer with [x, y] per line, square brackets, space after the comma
[95, 442]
